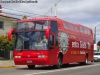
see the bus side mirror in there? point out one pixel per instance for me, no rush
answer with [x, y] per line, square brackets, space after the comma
[48, 32]
[10, 34]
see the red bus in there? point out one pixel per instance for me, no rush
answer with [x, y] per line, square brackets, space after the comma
[51, 41]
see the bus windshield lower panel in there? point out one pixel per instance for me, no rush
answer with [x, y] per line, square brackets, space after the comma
[31, 41]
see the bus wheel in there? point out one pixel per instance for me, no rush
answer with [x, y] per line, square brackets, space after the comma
[31, 66]
[65, 65]
[59, 63]
[86, 60]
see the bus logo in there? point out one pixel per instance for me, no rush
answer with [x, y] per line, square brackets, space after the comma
[28, 56]
[64, 42]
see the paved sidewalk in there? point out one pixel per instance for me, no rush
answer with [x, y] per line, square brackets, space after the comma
[7, 64]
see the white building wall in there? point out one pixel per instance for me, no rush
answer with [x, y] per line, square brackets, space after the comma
[8, 24]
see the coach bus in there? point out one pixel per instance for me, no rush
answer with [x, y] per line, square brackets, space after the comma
[51, 41]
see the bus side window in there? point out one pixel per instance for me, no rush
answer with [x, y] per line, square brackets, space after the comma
[81, 29]
[54, 27]
[51, 41]
[76, 29]
[72, 27]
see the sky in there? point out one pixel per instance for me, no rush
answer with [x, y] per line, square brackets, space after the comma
[85, 12]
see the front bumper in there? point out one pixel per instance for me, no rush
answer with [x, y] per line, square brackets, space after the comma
[31, 61]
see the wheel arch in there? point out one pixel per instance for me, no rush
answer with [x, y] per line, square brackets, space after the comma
[86, 55]
[61, 55]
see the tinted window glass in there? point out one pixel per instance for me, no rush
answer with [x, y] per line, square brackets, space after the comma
[31, 40]
[81, 29]
[88, 31]
[56, 41]
[51, 40]
[85, 30]
[66, 25]
[54, 27]
[71, 27]
[35, 25]
[96, 53]
[76, 29]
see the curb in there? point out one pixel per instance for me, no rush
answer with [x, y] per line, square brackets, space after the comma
[7, 66]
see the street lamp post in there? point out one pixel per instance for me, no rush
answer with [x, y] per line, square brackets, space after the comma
[95, 33]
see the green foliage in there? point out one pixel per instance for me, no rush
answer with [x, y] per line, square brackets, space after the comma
[98, 43]
[24, 17]
[6, 44]
[98, 50]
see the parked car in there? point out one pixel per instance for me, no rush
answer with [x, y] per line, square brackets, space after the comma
[96, 56]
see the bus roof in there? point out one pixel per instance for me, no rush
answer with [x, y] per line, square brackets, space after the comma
[38, 18]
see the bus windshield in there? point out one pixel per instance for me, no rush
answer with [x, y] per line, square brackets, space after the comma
[34, 25]
[31, 41]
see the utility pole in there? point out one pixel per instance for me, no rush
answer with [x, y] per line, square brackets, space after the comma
[55, 7]
[95, 33]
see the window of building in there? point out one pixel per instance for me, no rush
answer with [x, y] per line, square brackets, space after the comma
[1, 24]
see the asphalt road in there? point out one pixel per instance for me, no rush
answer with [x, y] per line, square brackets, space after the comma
[72, 69]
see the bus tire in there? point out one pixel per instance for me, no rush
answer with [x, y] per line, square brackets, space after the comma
[31, 66]
[86, 61]
[59, 62]
[65, 65]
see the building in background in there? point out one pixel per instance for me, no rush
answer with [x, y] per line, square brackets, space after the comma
[6, 22]
[96, 48]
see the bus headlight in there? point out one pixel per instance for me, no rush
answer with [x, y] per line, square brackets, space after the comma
[42, 56]
[17, 56]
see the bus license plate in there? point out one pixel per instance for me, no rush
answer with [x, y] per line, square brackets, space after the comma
[29, 61]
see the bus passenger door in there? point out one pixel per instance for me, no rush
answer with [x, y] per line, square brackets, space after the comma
[53, 41]
[53, 48]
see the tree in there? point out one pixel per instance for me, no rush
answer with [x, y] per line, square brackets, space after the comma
[5, 44]
[24, 17]
[98, 43]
